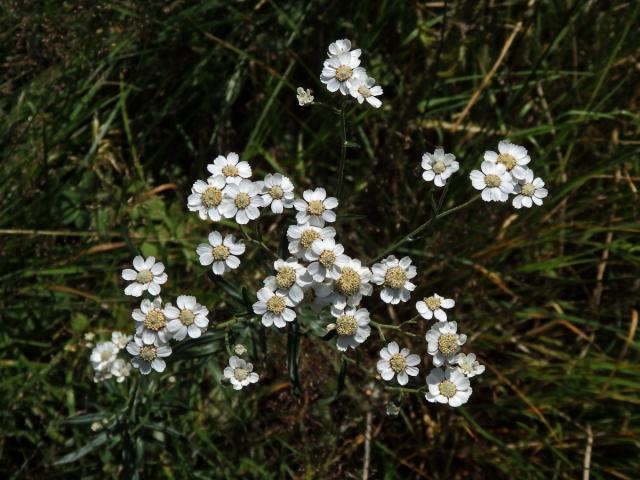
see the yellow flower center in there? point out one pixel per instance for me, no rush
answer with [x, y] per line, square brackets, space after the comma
[286, 277]
[242, 200]
[398, 363]
[492, 181]
[346, 325]
[240, 373]
[148, 352]
[528, 189]
[144, 276]
[343, 73]
[433, 303]
[316, 207]
[507, 160]
[438, 166]
[364, 91]
[395, 277]
[276, 304]
[187, 317]
[230, 171]
[348, 283]
[155, 320]
[276, 192]
[105, 355]
[448, 343]
[308, 237]
[211, 197]
[447, 388]
[220, 252]
[327, 259]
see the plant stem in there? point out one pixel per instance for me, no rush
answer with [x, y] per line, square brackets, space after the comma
[417, 231]
[343, 150]
[260, 243]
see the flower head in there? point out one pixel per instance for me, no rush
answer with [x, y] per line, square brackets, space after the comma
[120, 339]
[147, 357]
[275, 307]
[277, 192]
[151, 321]
[241, 201]
[364, 88]
[342, 46]
[315, 207]
[468, 365]
[240, 373]
[350, 282]
[304, 97]
[323, 256]
[188, 317]
[206, 197]
[448, 386]
[301, 237]
[103, 355]
[394, 276]
[352, 326]
[291, 279]
[529, 191]
[147, 276]
[438, 166]
[396, 362]
[341, 72]
[434, 306]
[494, 181]
[120, 369]
[513, 157]
[221, 254]
[230, 167]
[443, 342]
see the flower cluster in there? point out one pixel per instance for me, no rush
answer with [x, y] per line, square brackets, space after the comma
[506, 173]
[104, 358]
[342, 72]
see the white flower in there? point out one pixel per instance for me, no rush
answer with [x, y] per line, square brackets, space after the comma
[433, 306]
[240, 349]
[350, 282]
[188, 318]
[394, 275]
[341, 72]
[319, 295]
[206, 197]
[240, 373]
[365, 89]
[448, 386]
[274, 307]
[277, 191]
[120, 369]
[148, 356]
[315, 208]
[301, 237]
[468, 365]
[221, 253]
[148, 275]
[304, 97]
[230, 167]
[151, 321]
[529, 191]
[443, 343]
[512, 157]
[394, 361]
[494, 181]
[342, 46]
[323, 256]
[291, 279]
[120, 339]
[103, 355]
[438, 166]
[352, 327]
[241, 201]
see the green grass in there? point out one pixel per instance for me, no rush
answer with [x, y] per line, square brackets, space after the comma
[108, 114]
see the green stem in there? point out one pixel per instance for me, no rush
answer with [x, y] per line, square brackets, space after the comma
[343, 150]
[260, 243]
[409, 237]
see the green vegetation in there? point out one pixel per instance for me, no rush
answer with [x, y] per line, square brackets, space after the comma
[111, 109]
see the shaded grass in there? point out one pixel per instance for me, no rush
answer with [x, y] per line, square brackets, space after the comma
[109, 114]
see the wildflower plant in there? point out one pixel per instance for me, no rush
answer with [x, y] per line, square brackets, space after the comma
[314, 281]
